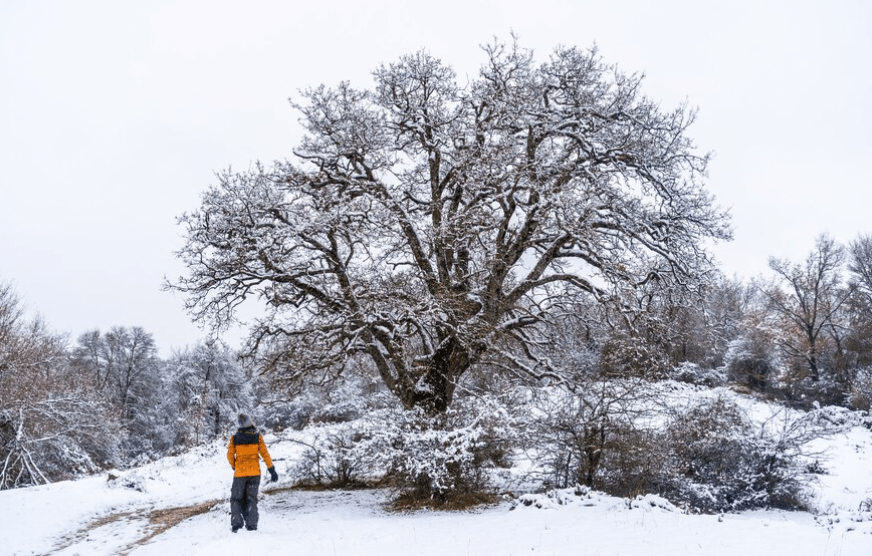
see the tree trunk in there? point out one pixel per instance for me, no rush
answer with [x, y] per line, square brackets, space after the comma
[436, 389]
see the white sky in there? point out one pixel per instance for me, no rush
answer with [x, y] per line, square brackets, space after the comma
[115, 115]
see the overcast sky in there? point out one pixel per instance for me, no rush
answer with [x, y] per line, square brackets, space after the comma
[114, 117]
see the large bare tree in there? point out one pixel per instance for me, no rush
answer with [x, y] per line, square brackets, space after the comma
[429, 225]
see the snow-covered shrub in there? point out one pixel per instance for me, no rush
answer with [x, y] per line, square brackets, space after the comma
[692, 373]
[429, 457]
[568, 434]
[312, 406]
[830, 389]
[628, 356]
[632, 462]
[628, 439]
[133, 480]
[435, 460]
[751, 361]
[345, 455]
[342, 411]
[720, 460]
[588, 437]
[833, 418]
[448, 455]
[860, 396]
[295, 414]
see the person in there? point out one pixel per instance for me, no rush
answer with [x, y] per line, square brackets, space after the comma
[242, 453]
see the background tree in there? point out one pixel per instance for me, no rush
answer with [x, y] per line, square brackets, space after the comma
[859, 341]
[665, 328]
[205, 387]
[51, 423]
[431, 226]
[726, 305]
[810, 299]
[860, 267]
[123, 363]
[124, 368]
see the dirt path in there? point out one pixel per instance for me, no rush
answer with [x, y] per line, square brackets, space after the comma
[128, 530]
[148, 522]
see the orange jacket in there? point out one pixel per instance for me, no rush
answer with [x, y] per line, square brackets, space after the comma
[242, 453]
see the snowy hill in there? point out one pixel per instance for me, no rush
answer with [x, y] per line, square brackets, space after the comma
[179, 506]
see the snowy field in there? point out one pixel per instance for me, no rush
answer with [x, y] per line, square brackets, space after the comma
[179, 506]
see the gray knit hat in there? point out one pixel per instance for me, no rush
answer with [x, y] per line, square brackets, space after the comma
[244, 421]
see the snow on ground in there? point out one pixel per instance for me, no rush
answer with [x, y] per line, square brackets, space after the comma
[96, 516]
[305, 523]
[848, 484]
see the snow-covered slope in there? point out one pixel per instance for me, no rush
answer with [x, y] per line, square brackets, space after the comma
[130, 515]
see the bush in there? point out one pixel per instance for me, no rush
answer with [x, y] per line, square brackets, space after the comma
[430, 460]
[860, 397]
[443, 458]
[589, 438]
[296, 414]
[710, 457]
[569, 434]
[344, 456]
[691, 373]
[627, 356]
[312, 407]
[720, 461]
[751, 362]
[633, 463]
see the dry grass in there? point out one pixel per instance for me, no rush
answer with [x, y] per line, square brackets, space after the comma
[323, 487]
[465, 501]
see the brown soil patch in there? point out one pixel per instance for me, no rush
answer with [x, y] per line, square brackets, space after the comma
[163, 520]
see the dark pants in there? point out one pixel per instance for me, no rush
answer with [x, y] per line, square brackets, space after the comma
[243, 502]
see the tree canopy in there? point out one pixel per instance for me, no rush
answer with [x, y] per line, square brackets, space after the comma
[429, 225]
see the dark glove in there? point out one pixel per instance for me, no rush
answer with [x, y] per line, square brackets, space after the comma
[272, 474]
